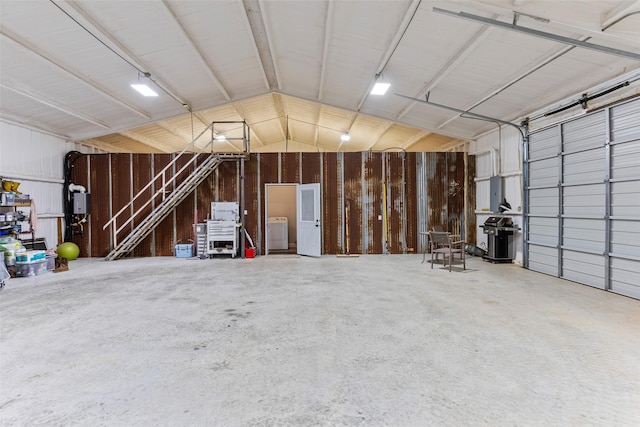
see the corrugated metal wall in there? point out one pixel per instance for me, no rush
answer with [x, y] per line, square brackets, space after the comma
[422, 190]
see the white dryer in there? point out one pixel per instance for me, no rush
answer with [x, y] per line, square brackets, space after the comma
[278, 233]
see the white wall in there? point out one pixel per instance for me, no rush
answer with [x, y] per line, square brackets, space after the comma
[35, 159]
[498, 153]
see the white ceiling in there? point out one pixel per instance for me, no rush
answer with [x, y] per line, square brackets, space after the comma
[299, 72]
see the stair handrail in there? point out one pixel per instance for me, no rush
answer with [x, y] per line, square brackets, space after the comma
[160, 190]
[210, 164]
[159, 175]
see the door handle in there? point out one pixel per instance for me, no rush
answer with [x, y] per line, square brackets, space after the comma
[317, 223]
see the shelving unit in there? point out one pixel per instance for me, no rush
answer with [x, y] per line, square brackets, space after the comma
[14, 213]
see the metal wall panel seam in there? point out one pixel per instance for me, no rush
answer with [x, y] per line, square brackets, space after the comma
[607, 200]
[153, 203]
[259, 197]
[364, 236]
[322, 204]
[131, 210]
[340, 159]
[242, 208]
[279, 168]
[173, 210]
[405, 246]
[422, 215]
[195, 204]
[89, 228]
[112, 238]
[560, 199]
[384, 203]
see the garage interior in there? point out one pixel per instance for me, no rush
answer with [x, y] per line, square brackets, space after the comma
[510, 123]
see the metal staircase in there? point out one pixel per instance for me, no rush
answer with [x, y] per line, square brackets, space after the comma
[160, 185]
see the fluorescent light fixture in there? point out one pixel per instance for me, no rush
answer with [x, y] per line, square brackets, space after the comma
[144, 89]
[380, 88]
[345, 137]
[221, 138]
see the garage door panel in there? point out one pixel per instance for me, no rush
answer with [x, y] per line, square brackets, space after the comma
[625, 238]
[625, 160]
[583, 268]
[543, 173]
[625, 198]
[594, 211]
[543, 259]
[585, 200]
[543, 230]
[544, 144]
[624, 121]
[544, 201]
[587, 166]
[624, 277]
[584, 133]
[588, 235]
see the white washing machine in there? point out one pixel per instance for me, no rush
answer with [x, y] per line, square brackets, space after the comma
[278, 237]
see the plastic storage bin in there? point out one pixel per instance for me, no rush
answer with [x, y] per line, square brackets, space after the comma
[30, 269]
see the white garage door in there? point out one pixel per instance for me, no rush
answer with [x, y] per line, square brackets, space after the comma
[583, 193]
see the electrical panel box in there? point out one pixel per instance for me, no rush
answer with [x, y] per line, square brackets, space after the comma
[81, 203]
[495, 187]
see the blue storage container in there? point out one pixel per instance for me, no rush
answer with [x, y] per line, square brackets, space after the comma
[184, 250]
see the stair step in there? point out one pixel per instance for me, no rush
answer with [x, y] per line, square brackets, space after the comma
[161, 211]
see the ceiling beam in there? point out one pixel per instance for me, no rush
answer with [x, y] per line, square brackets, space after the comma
[552, 57]
[109, 148]
[42, 99]
[617, 14]
[267, 33]
[254, 23]
[402, 28]
[460, 56]
[197, 53]
[328, 25]
[590, 28]
[353, 120]
[541, 34]
[19, 121]
[280, 112]
[148, 141]
[106, 38]
[415, 139]
[72, 73]
[380, 134]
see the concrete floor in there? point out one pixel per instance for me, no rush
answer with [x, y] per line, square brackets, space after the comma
[295, 341]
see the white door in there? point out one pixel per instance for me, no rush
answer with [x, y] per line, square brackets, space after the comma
[308, 219]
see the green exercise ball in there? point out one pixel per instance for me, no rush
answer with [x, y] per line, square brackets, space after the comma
[68, 250]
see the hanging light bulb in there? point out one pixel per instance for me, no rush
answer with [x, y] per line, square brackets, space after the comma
[345, 137]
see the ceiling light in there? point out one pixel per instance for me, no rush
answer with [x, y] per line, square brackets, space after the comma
[380, 88]
[144, 89]
[345, 137]
[221, 138]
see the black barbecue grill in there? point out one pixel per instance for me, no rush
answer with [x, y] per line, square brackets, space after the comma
[499, 231]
